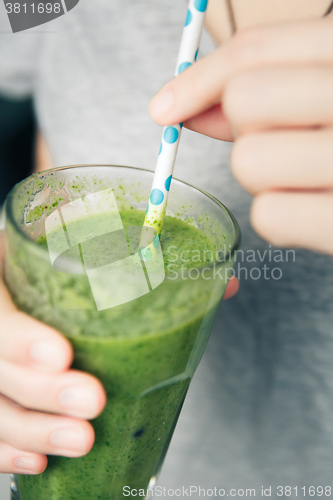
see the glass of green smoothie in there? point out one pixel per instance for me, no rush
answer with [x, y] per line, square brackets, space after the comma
[73, 261]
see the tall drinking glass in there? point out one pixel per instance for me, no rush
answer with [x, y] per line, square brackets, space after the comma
[140, 325]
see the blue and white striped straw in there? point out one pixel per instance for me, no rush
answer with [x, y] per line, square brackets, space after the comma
[187, 55]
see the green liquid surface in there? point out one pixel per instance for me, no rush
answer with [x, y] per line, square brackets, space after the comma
[144, 352]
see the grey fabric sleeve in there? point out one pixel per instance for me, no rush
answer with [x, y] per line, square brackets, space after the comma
[18, 59]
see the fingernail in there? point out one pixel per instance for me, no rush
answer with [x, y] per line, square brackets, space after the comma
[25, 464]
[161, 103]
[70, 439]
[48, 354]
[81, 401]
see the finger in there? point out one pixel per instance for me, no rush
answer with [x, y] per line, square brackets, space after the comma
[268, 98]
[202, 85]
[71, 393]
[212, 123]
[277, 160]
[13, 461]
[40, 433]
[232, 288]
[295, 219]
[26, 341]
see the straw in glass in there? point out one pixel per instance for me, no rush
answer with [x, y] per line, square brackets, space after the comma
[187, 55]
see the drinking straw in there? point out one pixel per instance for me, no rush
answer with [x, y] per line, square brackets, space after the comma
[187, 55]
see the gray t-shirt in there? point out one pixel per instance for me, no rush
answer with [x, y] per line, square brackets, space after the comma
[260, 408]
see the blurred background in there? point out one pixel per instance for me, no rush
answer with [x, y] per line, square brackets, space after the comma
[17, 133]
[4, 487]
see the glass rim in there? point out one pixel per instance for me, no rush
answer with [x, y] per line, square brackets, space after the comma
[10, 197]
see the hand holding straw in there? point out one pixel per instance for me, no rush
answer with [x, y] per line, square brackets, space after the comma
[187, 55]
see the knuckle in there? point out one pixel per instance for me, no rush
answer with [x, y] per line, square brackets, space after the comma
[246, 47]
[27, 395]
[33, 391]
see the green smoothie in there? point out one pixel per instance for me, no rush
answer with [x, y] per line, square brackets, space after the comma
[144, 352]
